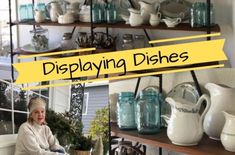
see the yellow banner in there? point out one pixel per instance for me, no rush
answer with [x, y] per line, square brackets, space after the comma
[121, 61]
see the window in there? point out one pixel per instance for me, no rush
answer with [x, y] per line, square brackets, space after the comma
[5, 32]
[85, 103]
[13, 107]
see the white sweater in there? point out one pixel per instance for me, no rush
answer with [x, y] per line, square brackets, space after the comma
[35, 139]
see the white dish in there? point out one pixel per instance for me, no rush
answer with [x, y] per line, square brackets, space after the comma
[29, 48]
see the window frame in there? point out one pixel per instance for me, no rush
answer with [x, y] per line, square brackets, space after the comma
[85, 102]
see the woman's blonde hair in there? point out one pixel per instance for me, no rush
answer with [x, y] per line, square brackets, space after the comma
[32, 101]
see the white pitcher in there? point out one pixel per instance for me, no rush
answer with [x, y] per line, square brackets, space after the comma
[185, 124]
[147, 8]
[39, 16]
[228, 132]
[222, 98]
[135, 18]
[55, 10]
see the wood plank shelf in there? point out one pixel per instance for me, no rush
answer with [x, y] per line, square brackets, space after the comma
[122, 25]
[206, 146]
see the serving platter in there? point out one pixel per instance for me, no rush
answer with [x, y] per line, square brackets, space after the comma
[29, 48]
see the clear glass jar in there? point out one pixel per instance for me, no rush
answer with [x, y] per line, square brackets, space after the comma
[139, 41]
[148, 112]
[67, 42]
[127, 42]
[126, 111]
[39, 38]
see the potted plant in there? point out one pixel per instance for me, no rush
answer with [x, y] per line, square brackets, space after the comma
[83, 145]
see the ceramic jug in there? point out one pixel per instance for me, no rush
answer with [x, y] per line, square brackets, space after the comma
[55, 10]
[185, 124]
[155, 19]
[39, 16]
[228, 133]
[135, 18]
[147, 8]
[222, 98]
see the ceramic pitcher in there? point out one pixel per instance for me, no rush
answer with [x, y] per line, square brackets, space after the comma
[222, 98]
[147, 8]
[185, 124]
[55, 10]
[228, 132]
[39, 16]
[135, 18]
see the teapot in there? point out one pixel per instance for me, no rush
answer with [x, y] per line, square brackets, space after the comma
[135, 18]
[39, 16]
[147, 8]
[172, 22]
[55, 10]
[222, 98]
[185, 123]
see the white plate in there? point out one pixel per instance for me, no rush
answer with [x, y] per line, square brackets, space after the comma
[29, 48]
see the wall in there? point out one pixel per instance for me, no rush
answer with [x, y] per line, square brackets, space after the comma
[219, 75]
[98, 99]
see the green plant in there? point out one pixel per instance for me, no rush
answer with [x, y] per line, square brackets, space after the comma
[84, 143]
[100, 126]
[67, 129]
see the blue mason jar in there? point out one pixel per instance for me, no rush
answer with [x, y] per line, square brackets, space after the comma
[111, 13]
[126, 111]
[148, 112]
[212, 16]
[23, 12]
[30, 11]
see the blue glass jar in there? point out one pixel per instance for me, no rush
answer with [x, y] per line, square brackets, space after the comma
[23, 12]
[30, 11]
[148, 112]
[212, 16]
[96, 13]
[126, 111]
[111, 13]
[198, 15]
[41, 6]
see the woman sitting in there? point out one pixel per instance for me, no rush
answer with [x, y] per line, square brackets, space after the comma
[34, 136]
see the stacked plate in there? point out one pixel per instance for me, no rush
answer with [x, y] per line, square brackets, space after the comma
[176, 9]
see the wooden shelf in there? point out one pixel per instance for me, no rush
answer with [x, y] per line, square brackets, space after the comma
[206, 146]
[161, 26]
